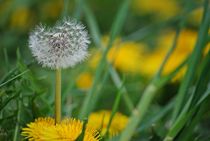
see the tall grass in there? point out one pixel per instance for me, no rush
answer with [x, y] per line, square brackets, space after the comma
[22, 95]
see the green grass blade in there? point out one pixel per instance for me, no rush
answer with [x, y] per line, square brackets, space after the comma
[65, 8]
[16, 135]
[115, 30]
[8, 75]
[117, 81]
[194, 60]
[145, 101]
[8, 100]
[97, 93]
[206, 94]
[114, 110]
[188, 131]
[170, 51]
[157, 116]
[139, 112]
[93, 26]
[13, 78]
[148, 30]
[97, 40]
[79, 8]
[193, 103]
[6, 58]
[147, 96]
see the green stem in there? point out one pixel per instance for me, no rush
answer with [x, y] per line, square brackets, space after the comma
[13, 78]
[17, 126]
[94, 30]
[65, 8]
[78, 10]
[58, 96]
[193, 62]
[149, 93]
[139, 112]
[170, 51]
[115, 30]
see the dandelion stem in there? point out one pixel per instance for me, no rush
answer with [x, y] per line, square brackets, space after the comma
[58, 96]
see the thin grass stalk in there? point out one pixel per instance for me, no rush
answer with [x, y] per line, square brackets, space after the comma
[139, 112]
[157, 27]
[92, 23]
[114, 110]
[116, 28]
[157, 116]
[180, 122]
[78, 10]
[97, 40]
[13, 78]
[193, 104]
[65, 8]
[17, 126]
[117, 81]
[6, 58]
[97, 93]
[170, 51]
[7, 101]
[188, 131]
[194, 61]
[147, 96]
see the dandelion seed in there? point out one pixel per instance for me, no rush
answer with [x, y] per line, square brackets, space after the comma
[61, 46]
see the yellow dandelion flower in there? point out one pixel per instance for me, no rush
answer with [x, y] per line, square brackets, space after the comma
[21, 18]
[34, 130]
[96, 54]
[162, 8]
[4, 6]
[185, 45]
[52, 9]
[99, 121]
[68, 129]
[84, 80]
[95, 58]
[125, 56]
[45, 129]
[196, 16]
[91, 135]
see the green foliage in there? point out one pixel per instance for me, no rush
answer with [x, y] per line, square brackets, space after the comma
[27, 90]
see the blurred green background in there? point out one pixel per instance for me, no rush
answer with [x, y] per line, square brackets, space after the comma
[148, 32]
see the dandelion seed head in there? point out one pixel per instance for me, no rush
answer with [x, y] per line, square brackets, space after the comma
[61, 46]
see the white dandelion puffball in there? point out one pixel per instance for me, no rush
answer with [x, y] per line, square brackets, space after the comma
[61, 46]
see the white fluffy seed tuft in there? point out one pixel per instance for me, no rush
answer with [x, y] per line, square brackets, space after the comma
[61, 46]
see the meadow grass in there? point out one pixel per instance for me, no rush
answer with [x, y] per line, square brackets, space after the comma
[22, 94]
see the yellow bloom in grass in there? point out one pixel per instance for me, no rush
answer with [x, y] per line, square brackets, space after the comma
[4, 6]
[195, 16]
[45, 129]
[162, 8]
[34, 130]
[52, 9]
[125, 56]
[185, 45]
[99, 121]
[21, 18]
[84, 80]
